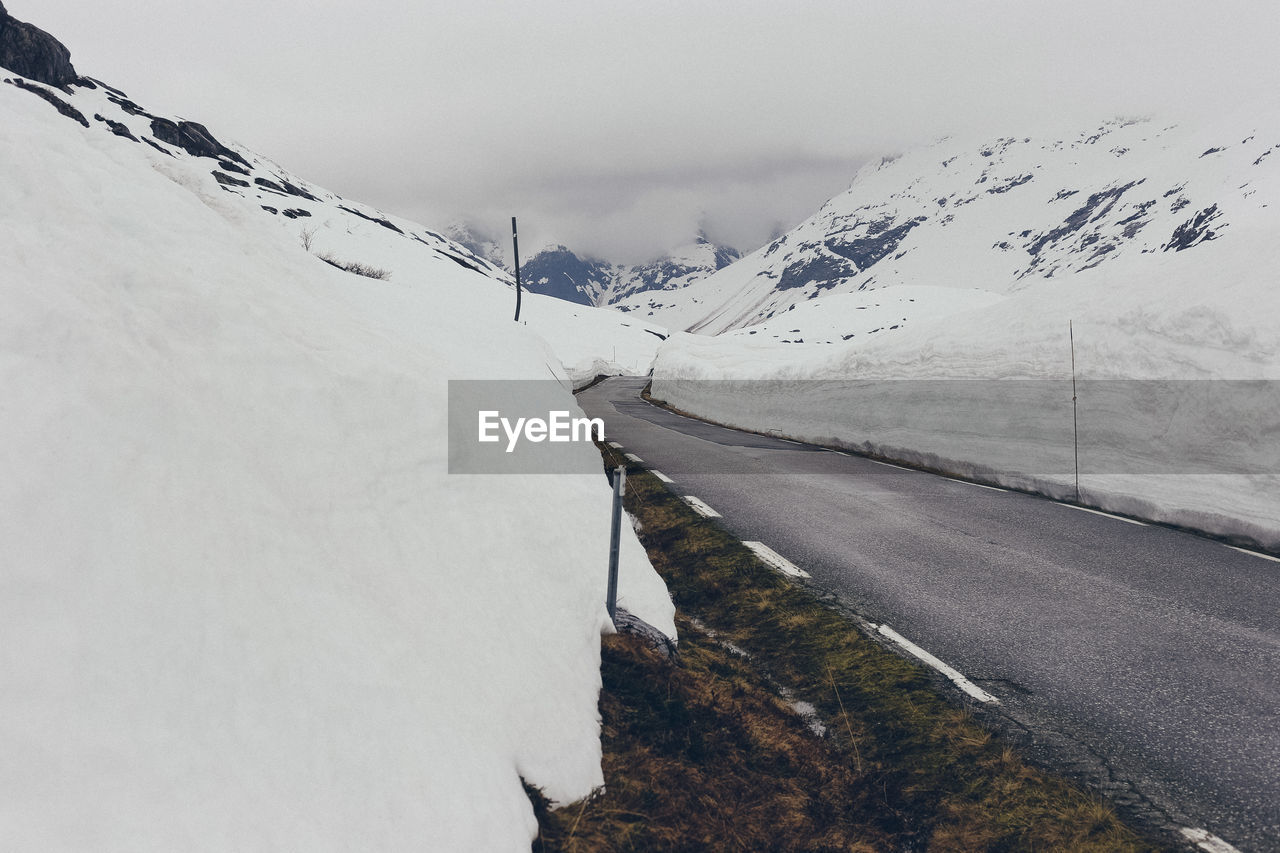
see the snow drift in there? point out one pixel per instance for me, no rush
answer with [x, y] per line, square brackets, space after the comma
[242, 604]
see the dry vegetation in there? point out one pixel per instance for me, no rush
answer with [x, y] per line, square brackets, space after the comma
[355, 267]
[709, 753]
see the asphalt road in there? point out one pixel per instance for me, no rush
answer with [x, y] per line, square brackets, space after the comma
[1140, 659]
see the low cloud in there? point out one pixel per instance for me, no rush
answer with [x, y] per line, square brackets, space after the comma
[620, 129]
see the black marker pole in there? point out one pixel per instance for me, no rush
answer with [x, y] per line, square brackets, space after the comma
[515, 250]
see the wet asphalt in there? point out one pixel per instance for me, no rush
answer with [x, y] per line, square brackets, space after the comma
[1141, 660]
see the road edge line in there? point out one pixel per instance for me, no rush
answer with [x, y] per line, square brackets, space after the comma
[950, 672]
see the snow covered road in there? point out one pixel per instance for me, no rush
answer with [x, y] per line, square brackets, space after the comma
[1141, 659]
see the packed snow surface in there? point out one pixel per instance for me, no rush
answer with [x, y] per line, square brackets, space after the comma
[242, 604]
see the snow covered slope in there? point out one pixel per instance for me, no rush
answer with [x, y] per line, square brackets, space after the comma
[1000, 215]
[1155, 245]
[243, 605]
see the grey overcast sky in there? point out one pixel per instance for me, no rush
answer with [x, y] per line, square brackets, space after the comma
[620, 127]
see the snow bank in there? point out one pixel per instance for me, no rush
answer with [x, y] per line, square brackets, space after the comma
[1147, 327]
[242, 604]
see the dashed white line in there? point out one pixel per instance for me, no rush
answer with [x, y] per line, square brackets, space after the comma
[632, 457]
[614, 445]
[890, 465]
[1207, 841]
[956, 678]
[661, 476]
[1255, 554]
[701, 508]
[773, 558]
[979, 485]
[1106, 514]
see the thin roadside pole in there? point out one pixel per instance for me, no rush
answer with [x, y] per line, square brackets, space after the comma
[1075, 419]
[619, 488]
[515, 251]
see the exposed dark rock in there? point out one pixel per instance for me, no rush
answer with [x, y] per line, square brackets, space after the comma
[270, 210]
[822, 269]
[159, 148]
[1211, 151]
[58, 104]
[286, 188]
[116, 127]
[91, 81]
[478, 266]
[383, 222]
[1195, 230]
[880, 241]
[459, 261]
[31, 52]
[295, 212]
[560, 273]
[1097, 205]
[228, 166]
[228, 181]
[193, 138]
[1135, 223]
[129, 106]
[1013, 182]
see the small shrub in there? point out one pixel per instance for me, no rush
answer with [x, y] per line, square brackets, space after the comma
[355, 267]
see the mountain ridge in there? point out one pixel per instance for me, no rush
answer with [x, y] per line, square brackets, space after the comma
[560, 272]
[997, 214]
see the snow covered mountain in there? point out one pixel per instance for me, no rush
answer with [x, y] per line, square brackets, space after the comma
[243, 603]
[999, 215]
[1137, 257]
[557, 271]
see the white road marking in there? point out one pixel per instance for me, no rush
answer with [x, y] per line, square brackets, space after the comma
[1255, 554]
[701, 508]
[979, 485]
[959, 680]
[632, 457]
[1106, 514]
[1207, 841]
[890, 465]
[615, 445]
[661, 476]
[773, 558]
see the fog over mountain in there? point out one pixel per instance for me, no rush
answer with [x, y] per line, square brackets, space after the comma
[622, 129]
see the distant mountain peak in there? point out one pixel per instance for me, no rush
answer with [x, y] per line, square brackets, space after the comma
[559, 271]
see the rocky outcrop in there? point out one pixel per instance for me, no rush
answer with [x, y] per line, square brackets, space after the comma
[193, 138]
[33, 53]
[58, 104]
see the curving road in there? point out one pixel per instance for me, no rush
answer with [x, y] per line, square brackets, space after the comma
[1143, 660]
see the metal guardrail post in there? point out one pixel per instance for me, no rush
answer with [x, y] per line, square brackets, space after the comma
[619, 487]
